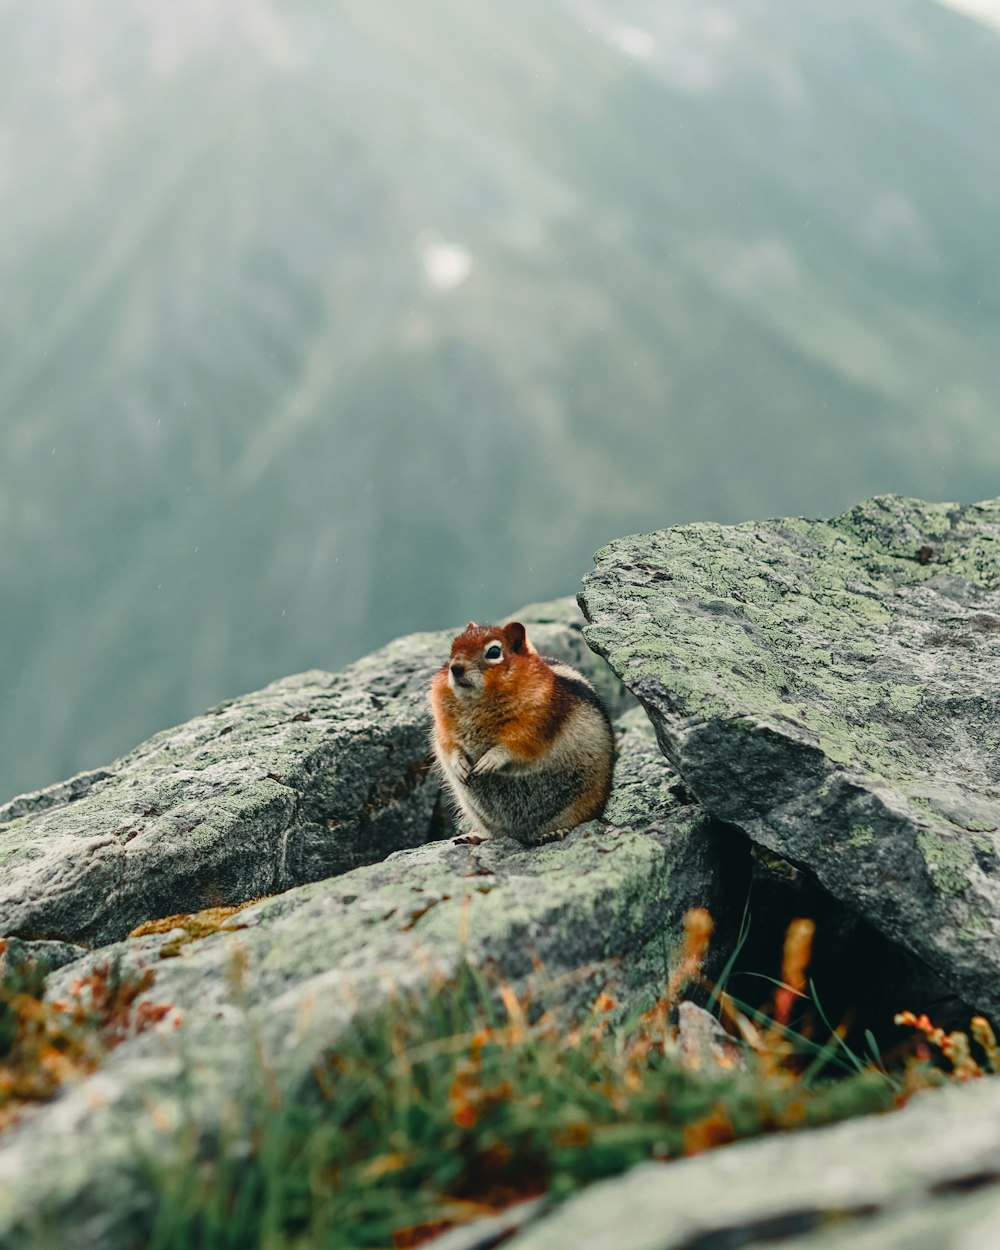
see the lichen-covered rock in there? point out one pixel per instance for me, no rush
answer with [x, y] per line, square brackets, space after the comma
[573, 902]
[833, 688]
[312, 959]
[880, 1182]
[48, 955]
[311, 776]
[647, 789]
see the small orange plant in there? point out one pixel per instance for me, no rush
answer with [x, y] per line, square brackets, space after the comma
[44, 1043]
[955, 1047]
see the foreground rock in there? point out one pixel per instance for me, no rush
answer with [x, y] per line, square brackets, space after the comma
[286, 976]
[833, 688]
[888, 1181]
[307, 778]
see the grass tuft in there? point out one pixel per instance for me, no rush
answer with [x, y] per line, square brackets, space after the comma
[439, 1110]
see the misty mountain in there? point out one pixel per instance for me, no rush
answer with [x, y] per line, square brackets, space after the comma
[325, 322]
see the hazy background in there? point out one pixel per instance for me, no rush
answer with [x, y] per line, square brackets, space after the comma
[321, 322]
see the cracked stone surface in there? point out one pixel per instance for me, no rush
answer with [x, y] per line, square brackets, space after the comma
[607, 898]
[833, 688]
[309, 777]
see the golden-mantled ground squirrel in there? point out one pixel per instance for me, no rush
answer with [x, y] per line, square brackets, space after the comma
[524, 744]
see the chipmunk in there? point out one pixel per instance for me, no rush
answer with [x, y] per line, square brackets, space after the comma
[523, 743]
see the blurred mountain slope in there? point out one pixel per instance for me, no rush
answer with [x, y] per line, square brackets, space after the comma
[325, 322]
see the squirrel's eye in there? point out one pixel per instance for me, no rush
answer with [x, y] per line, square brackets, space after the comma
[494, 651]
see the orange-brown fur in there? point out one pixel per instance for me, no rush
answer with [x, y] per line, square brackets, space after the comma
[517, 707]
[519, 718]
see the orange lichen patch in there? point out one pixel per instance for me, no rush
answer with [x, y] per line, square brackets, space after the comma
[195, 925]
[415, 1235]
[419, 1234]
[714, 1129]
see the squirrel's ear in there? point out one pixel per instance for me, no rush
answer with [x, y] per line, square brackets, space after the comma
[472, 625]
[514, 633]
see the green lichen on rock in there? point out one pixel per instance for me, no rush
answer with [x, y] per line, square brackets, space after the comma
[833, 687]
[594, 910]
[309, 777]
[949, 861]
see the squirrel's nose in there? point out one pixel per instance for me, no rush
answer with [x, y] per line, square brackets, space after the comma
[458, 670]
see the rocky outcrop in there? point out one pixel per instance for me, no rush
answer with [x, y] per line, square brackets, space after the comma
[833, 689]
[309, 777]
[828, 690]
[606, 899]
[884, 1183]
[312, 959]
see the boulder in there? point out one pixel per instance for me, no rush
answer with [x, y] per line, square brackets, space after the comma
[309, 777]
[281, 979]
[833, 689]
[898, 1180]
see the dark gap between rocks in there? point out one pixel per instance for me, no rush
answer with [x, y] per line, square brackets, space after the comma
[773, 1228]
[964, 1184]
[860, 976]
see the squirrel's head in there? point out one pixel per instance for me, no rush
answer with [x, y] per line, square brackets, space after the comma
[483, 654]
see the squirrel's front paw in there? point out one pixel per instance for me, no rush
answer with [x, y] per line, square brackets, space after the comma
[461, 765]
[491, 760]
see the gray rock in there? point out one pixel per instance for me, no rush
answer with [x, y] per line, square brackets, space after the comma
[833, 688]
[307, 778]
[842, 1186]
[647, 789]
[702, 1042]
[416, 907]
[964, 1221]
[594, 910]
[49, 955]
[490, 1231]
